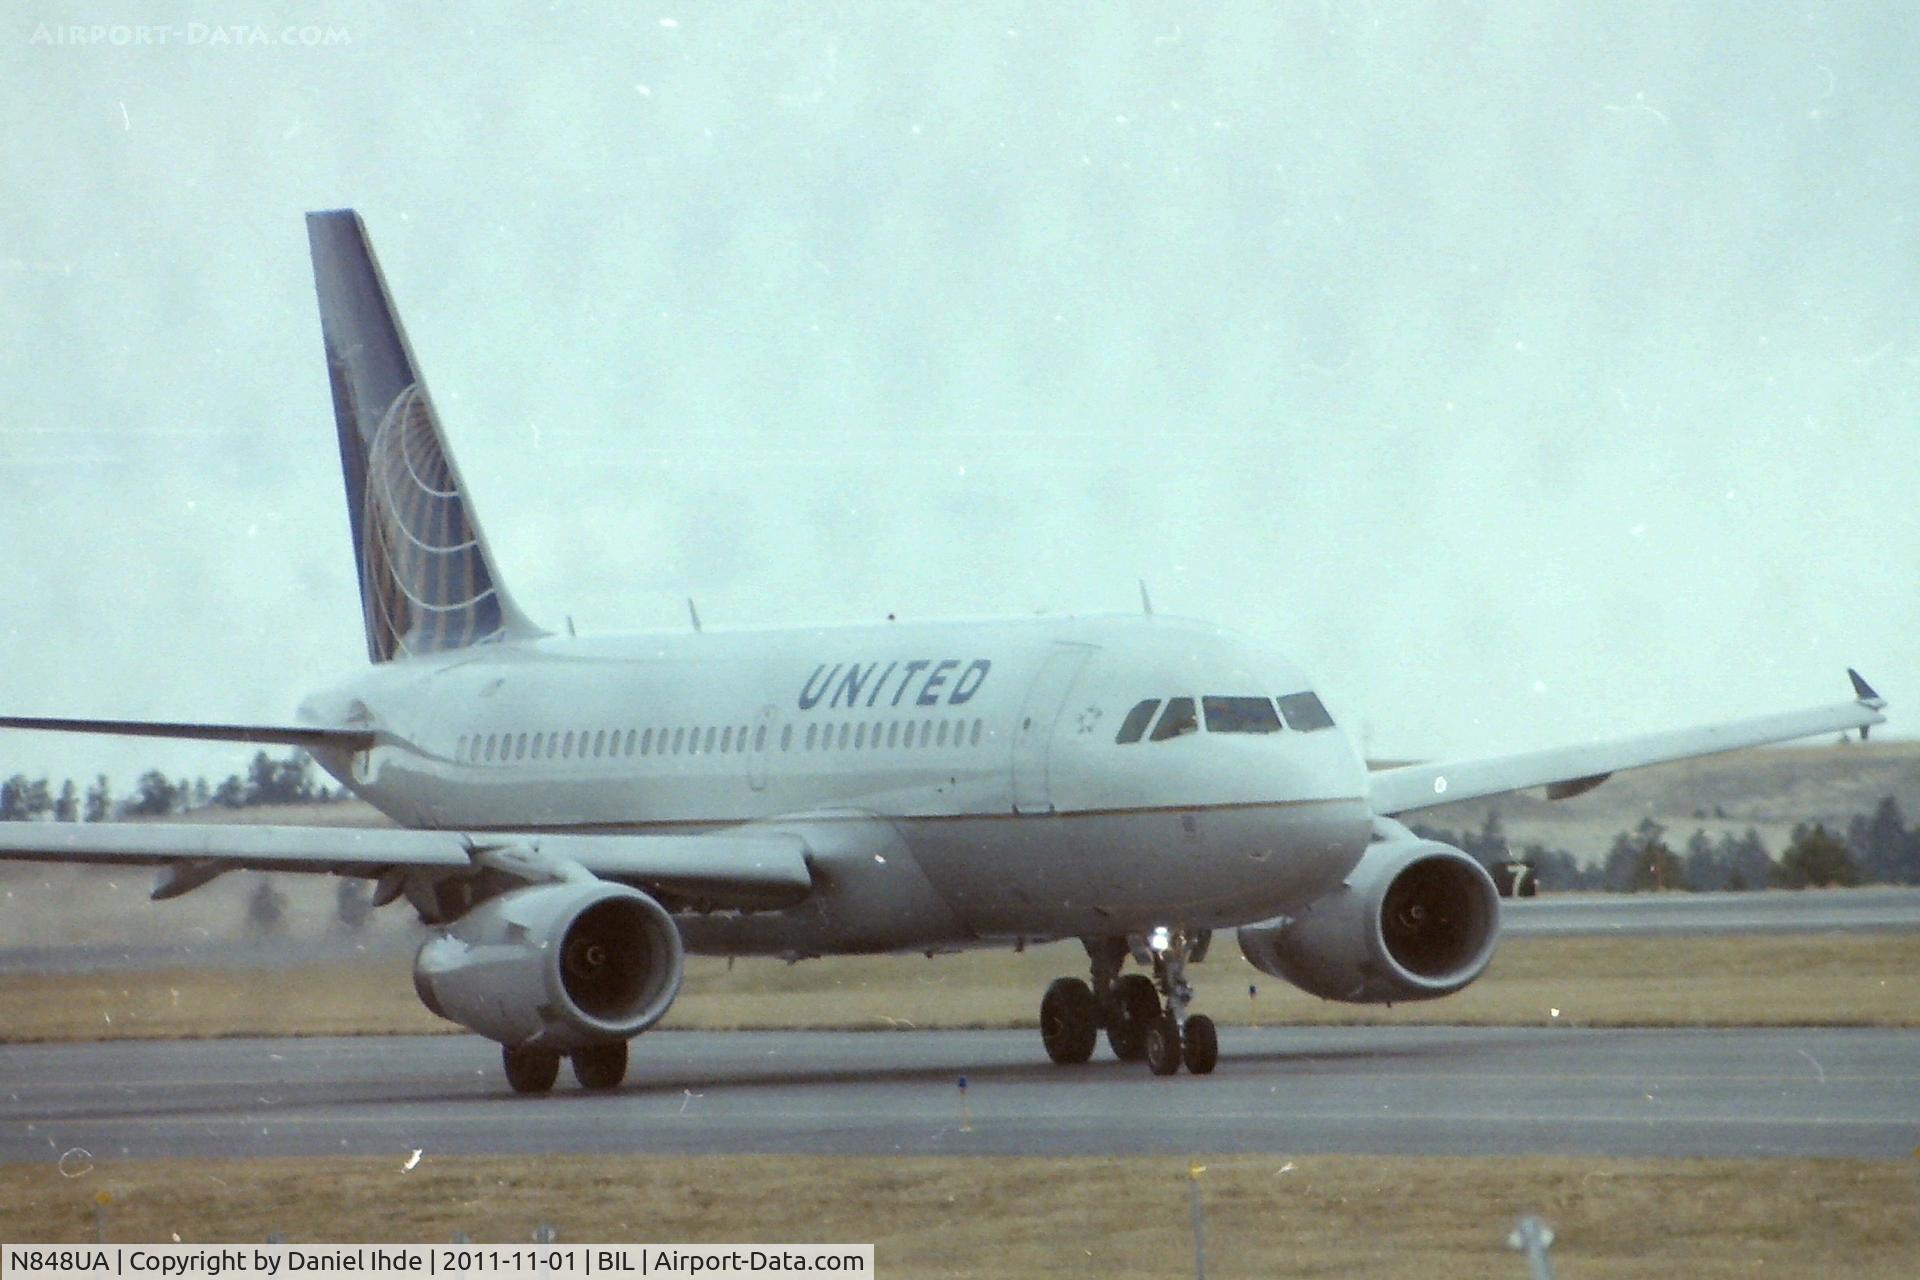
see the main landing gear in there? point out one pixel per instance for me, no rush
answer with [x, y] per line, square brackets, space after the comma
[1129, 1008]
[596, 1067]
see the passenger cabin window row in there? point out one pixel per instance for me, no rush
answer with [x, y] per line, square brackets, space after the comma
[1302, 712]
[583, 744]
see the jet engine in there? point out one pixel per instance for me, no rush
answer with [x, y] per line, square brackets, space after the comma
[1416, 920]
[555, 966]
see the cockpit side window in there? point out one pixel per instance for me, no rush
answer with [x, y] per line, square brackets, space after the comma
[1240, 715]
[1304, 712]
[1177, 719]
[1136, 722]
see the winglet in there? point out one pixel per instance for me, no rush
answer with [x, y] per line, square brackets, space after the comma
[1863, 692]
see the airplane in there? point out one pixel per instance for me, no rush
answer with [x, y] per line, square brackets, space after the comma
[576, 814]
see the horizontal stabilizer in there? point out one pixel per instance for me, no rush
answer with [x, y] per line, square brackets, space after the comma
[274, 734]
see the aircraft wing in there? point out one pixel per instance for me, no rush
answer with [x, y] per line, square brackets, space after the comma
[734, 867]
[1568, 771]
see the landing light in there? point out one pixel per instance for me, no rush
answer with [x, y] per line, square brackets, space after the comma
[1160, 939]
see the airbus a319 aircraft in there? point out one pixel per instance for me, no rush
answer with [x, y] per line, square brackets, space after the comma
[577, 814]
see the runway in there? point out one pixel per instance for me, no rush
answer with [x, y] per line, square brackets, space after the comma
[1873, 909]
[1361, 1090]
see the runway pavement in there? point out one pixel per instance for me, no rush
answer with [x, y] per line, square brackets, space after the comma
[1364, 1090]
[1879, 908]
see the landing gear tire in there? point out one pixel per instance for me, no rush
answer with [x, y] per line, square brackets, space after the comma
[1163, 1046]
[1136, 1007]
[530, 1070]
[1200, 1046]
[601, 1066]
[1067, 1023]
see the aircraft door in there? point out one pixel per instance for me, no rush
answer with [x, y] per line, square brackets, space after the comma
[1033, 734]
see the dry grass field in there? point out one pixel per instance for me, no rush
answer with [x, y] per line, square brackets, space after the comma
[1418, 1218]
[1833, 979]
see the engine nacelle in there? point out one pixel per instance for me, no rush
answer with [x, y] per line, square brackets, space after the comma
[558, 966]
[1416, 920]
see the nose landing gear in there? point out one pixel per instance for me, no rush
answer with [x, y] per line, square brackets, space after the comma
[1129, 1007]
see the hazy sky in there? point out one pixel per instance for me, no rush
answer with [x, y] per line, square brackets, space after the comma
[1527, 373]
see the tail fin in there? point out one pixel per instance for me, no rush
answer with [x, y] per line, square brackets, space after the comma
[427, 583]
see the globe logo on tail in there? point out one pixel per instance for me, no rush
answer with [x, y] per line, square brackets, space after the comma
[428, 589]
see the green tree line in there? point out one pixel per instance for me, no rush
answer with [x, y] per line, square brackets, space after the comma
[1877, 848]
[287, 779]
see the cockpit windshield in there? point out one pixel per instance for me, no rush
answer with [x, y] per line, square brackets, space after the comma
[1224, 714]
[1136, 722]
[1240, 715]
[1304, 712]
[1177, 719]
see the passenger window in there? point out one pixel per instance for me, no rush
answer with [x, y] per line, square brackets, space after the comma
[679, 739]
[893, 734]
[646, 742]
[941, 738]
[813, 732]
[538, 739]
[599, 743]
[1304, 712]
[1176, 720]
[489, 750]
[633, 736]
[726, 739]
[976, 734]
[846, 731]
[860, 737]
[1240, 715]
[710, 735]
[786, 737]
[760, 738]
[1136, 722]
[520, 747]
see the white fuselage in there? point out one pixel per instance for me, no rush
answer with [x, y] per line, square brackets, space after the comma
[955, 783]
